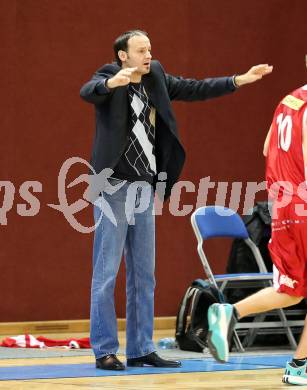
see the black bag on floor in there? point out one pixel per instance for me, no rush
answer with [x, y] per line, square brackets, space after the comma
[191, 335]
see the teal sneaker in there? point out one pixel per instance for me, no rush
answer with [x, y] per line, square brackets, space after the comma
[220, 316]
[295, 375]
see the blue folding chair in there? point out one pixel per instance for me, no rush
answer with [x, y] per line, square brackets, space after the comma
[217, 221]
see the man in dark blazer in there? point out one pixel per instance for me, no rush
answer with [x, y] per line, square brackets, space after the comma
[136, 136]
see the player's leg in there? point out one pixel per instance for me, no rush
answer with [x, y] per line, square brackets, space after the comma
[265, 300]
[222, 317]
[296, 370]
[301, 351]
[287, 290]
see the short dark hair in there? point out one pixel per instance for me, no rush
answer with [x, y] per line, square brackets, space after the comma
[121, 43]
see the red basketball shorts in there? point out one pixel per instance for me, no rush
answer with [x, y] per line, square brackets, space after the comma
[288, 248]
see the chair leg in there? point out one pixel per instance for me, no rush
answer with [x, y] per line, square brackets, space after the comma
[288, 329]
[237, 342]
[284, 321]
[252, 332]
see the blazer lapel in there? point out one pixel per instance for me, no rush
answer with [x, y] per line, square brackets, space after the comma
[155, 98]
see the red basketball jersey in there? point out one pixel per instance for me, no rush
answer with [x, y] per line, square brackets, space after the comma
[285, 160]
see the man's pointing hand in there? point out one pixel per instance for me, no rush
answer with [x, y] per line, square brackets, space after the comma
[121, 78]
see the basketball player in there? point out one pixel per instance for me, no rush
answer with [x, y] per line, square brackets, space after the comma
[285, 149]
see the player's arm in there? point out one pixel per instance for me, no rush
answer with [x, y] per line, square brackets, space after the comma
[305, 137]
[267, 142]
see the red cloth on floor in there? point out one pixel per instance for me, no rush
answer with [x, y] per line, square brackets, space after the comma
[29, 341]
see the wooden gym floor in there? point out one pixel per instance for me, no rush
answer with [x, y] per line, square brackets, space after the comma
[240, 379]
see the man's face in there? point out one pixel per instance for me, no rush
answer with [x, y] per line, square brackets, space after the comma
[139, 54]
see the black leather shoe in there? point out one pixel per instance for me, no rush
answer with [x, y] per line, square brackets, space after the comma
[152, 360]
[109, 362]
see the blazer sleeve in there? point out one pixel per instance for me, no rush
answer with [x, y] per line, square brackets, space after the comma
[95, 91]
[180, 88]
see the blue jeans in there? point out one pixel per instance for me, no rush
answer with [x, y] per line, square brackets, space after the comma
[134, 236]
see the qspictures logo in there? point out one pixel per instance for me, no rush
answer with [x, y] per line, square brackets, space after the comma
[101, 187]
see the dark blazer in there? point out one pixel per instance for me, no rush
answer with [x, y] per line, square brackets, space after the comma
[112, 115]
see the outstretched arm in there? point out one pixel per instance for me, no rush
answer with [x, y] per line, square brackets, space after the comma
[180, 88]
[254, 74]
[305, 140]
[267, 142]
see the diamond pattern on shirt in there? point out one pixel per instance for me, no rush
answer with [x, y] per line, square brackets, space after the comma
[140, 153]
